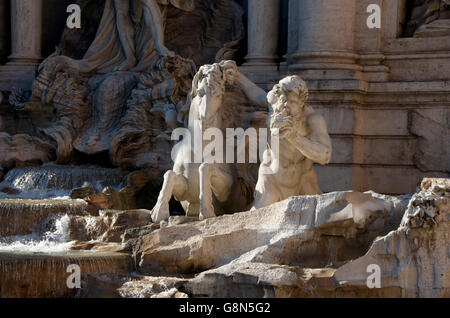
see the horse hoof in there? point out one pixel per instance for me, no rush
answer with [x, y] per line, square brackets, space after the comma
[160, 212]
[208, 215]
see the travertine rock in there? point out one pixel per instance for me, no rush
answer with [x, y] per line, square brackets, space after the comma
[82, 193]
[120, 222]
[113, 199]
[310, 231]
[153, 287]
[20, 150]
[414, 261]
[131, 235]
[109, 226]
[86, 228]
[257, 280]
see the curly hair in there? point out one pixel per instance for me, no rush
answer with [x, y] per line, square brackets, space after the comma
[295, 85]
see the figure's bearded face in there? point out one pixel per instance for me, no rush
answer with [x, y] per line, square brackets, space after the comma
[287, 108]
[285, 102]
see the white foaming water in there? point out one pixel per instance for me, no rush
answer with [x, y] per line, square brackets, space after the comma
[52, 181]
[51, 242]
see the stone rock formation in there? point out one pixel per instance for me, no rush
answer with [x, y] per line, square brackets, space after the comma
[308, 246]
[311, 246]
[414, 259]
[109, 226]
[153, 287]
[22, 149]
[310, 231]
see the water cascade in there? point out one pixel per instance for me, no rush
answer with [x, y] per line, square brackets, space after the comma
[35, 245]
[47, 275]
[26, 217]
[54, 181]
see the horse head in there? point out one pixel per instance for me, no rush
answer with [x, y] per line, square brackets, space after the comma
[208, 90]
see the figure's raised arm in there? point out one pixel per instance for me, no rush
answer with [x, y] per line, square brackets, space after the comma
[233, 76]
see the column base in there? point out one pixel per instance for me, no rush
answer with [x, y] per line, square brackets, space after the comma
[374, 70]
[17, 75]
[253, 60]
[337, 65]
[24, 60]
[324, 73]
[325, 65]
[264, 75]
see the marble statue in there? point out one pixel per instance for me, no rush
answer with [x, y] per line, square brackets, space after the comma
[303, 140]
[153, 17]
[107, 103]
[429, 18]
[130, 36]
[208, 189]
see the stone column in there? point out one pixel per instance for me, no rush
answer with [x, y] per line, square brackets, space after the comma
[326, 38]
[26, 32]
[263, 26]
[4, 33]
[26, 45]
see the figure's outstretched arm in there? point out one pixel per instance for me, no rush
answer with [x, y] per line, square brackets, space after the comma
[317, 146]
[126, 33]
[253, 92]
[155, 21]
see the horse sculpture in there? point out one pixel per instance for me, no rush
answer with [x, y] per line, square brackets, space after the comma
[206, 189]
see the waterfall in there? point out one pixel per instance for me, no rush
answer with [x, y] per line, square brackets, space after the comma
[36, 214]
[34, 217]
[54, 181]
[54, 240]
[46, 275]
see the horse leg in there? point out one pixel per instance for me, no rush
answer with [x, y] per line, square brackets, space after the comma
[213, 178]
[173, 184]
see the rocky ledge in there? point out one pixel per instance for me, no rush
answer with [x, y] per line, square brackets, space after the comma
[330, 245]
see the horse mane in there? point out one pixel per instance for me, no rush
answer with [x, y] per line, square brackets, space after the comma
[237, 110]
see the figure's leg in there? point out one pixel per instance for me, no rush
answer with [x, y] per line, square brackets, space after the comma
[213, 180]
[126, 34]
[154, 20]
[173, 184]
[192, 209]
